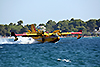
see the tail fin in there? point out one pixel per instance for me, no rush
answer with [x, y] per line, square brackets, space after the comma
[80, 31]
[13, 34]
[33, 28]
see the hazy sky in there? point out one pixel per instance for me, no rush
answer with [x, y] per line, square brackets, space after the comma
[40, 11]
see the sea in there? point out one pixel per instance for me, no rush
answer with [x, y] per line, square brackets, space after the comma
[68, 52]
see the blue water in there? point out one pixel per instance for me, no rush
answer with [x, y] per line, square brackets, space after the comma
[84, 52]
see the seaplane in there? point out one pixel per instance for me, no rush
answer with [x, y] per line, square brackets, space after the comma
[39, 35]
[42, 37]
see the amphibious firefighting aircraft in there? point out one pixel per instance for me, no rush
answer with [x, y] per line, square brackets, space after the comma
[43, 36]
[38, 35]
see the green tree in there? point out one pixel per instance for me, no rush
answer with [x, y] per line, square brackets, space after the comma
[11, 24]
[71, 27]
[91, 24]
[72, 19]
[63, 25]
[42, 25]
[51, 26]
[20, 22]
[98, 22]
[24, 29]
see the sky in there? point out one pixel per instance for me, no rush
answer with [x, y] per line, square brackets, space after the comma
[40, 11]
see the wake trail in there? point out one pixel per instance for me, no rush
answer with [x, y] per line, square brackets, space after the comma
[21, 40]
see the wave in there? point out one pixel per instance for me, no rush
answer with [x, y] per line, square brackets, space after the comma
[21, 40]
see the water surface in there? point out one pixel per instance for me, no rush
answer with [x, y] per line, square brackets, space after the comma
[68, 52]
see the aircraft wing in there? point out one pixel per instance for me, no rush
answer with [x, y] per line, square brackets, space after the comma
[76, 32]
[25, 35]
[65, 33]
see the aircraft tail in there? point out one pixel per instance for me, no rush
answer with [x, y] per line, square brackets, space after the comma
[13, 34]
[33, 29]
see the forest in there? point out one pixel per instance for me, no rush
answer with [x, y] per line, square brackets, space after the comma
[87, 27]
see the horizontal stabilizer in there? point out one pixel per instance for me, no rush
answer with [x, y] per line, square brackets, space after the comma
[33, 29]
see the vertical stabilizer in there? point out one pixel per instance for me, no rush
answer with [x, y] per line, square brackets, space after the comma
[33, 29]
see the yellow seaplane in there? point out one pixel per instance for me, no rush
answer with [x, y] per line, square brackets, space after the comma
[42, 37]
[38, 35]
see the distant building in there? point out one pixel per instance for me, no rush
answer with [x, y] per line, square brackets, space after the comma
[42, 28]
[97, 30]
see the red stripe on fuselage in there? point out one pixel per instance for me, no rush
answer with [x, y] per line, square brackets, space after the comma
[20, 34]
[76, 32]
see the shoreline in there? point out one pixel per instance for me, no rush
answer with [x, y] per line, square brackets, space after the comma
[59, 36]
[77, 36]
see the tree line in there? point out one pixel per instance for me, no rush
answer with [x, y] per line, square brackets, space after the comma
[65, 26]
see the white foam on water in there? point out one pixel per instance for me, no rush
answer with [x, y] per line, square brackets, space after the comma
[21, 40]
[1, 46]
[64, 60]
